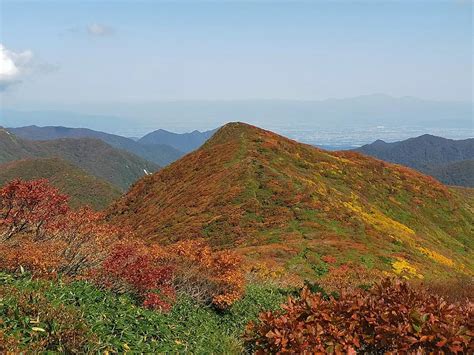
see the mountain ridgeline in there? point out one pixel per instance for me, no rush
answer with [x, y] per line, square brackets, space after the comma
[284, 203]
[91, 155]
[185, 142]
[160, 154]
[450, 161]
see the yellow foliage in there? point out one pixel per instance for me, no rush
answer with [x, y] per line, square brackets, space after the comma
[381, 222]
[436, 257]
[403, 268]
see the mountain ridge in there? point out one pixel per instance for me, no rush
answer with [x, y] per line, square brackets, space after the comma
[429, 154]
[274, 198]
[92, 155]
[185, 142]
[160, 154]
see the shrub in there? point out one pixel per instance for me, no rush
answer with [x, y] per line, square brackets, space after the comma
[390, 317]
[137, 268]
[212, 277]
[29, 206]
[39, 233]
[155, 273]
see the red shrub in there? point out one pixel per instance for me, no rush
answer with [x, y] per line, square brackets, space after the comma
[391, 317]
[135, 267]
[29, 206]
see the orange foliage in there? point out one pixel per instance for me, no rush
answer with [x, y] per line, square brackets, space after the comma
[349, 277]
[215, 277]
[42, 235]
[156, 274]
[391, 317]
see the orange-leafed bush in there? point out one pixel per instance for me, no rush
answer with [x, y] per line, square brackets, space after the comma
[42, 259]
[213, 277]
[138, 268]
[157, 273]
[390, 317]
[40, 234]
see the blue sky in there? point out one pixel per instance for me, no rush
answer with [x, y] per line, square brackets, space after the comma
[138, 51]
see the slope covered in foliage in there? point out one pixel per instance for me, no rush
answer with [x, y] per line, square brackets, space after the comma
[303, 210]
[82, 188]
[94, 156]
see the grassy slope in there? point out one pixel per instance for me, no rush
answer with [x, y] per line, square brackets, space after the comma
[119, 324]
[94, 156]
[289, 204]
[83, 189]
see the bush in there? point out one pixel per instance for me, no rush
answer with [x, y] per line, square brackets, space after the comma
[390, 317]
[155, 274]
[137, 268]
[40, 234]
[210, 277]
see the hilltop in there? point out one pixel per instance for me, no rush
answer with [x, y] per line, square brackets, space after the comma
[448, 160]
[92, 155]
[289, 204]
[82, 188]
[160, 154]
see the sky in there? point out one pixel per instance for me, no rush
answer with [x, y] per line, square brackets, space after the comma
[93, 52]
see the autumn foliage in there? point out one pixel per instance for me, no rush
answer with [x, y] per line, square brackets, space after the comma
[390, 317]
[41, 234]
[134, 267]
[213, 277]
[157, 274]
[29, 206]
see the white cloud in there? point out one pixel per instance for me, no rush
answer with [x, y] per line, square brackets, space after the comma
[96, 29]
[13, 65]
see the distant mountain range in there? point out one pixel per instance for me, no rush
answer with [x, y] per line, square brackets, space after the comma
[98, 158]
[286, 204]
[83, 188]
[185, 142]
[161, 154]
[448, 160]
[367, 110]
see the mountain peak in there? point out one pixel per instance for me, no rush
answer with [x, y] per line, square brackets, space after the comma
[236, 131]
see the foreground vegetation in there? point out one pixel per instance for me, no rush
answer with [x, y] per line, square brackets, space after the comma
[79, 317]
[72, 282]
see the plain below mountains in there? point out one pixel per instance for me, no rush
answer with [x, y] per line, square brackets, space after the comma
[450, 161]
[286, 204]
[94, 156]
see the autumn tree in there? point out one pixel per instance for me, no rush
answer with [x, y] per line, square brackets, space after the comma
[42, 234]
[29, 206]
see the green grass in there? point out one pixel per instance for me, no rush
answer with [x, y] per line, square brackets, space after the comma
[118, 323]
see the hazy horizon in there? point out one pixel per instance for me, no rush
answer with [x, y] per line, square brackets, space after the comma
[296, 67]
